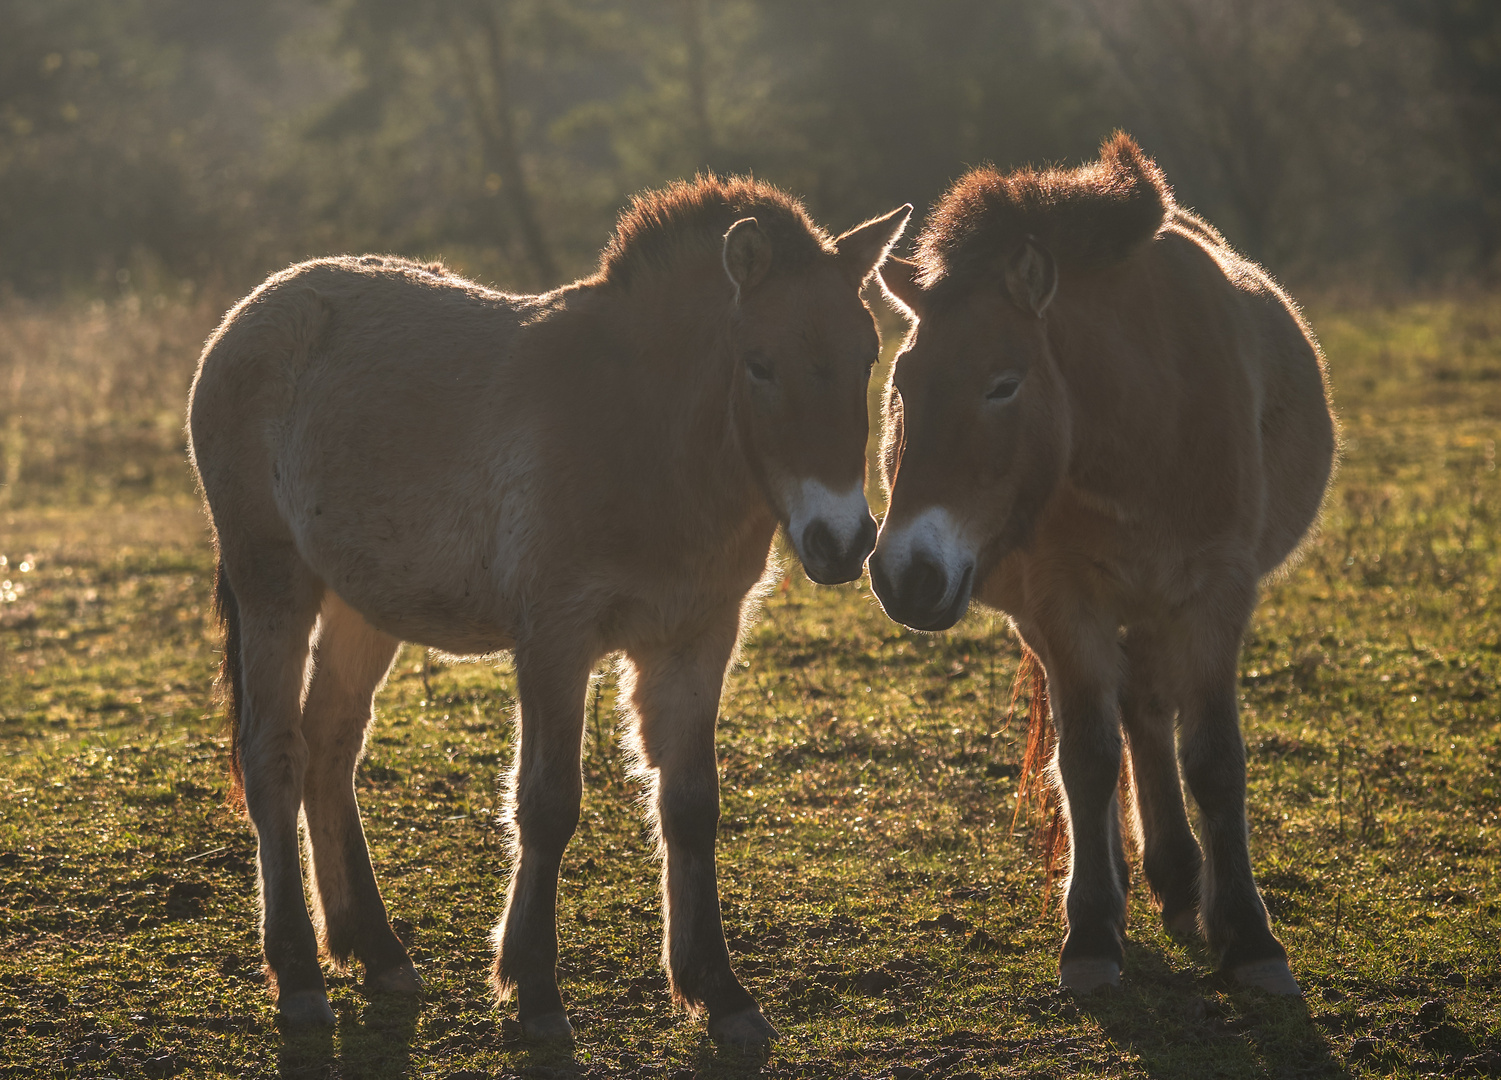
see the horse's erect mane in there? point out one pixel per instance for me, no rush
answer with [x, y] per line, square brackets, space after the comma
[658, 225]
[1094, 215]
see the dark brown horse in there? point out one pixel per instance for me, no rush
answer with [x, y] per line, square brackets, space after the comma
[1109, 425]
[391, 453]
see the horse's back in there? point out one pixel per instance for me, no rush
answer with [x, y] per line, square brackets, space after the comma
[1268, 341]
[358, 409]
[369, 329]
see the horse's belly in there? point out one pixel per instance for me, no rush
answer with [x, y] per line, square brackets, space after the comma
[428, 572]
[448, 629]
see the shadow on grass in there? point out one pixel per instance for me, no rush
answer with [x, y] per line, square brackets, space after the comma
[541, 1059]
[1177, 1024]
[558, 1061]
[305, 1055]
[713, 1060]
[374, 1038]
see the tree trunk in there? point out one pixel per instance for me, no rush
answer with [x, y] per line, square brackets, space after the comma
[698, 81]
[495, 119]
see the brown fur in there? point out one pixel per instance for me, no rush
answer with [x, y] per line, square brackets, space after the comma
[1111, 426]
[391, 453]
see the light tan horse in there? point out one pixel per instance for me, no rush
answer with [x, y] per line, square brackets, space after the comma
[1109, 425]
[391, 453]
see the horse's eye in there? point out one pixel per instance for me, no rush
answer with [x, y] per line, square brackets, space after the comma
[758, 370]
[1004, 390]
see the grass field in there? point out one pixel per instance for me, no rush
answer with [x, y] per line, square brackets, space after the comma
[877, 899]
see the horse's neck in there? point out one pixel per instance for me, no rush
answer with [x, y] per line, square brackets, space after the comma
[688, 376]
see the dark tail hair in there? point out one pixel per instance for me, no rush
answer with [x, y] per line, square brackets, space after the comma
[231, 685]
[1034, 792]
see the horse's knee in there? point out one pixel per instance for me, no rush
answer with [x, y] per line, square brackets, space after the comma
[334, 746]
[1215, 769]
[274, 767]
[1090, 767]
[547, 817]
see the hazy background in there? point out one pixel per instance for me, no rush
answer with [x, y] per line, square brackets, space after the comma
[161, 145]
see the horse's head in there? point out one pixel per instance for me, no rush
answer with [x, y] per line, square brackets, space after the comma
[804, 343]
[977, 434]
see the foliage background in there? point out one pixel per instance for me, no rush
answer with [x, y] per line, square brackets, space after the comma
[213, 140]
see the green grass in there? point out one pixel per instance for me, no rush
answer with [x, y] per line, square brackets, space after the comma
[876, 897]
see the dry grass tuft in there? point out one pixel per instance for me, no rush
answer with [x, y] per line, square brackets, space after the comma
[92, 397]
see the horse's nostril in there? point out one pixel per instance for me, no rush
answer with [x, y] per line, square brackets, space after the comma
[818, 543]
[924, 583]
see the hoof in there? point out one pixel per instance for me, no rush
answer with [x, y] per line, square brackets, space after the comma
[305, 1009]
[549, 1028]
[1269, 976]
[402, 979]
[1183, 925]
[744, 1030]
[1089, 976]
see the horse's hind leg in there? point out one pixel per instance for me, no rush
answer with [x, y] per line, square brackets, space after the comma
[277, 599]
[676, 701]
[1213, 756]
[546, 788]
[1170, 854]
[350, 662]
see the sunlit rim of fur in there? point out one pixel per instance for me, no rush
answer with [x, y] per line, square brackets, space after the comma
[660, 223]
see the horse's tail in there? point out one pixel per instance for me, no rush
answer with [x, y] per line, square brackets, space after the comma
[231, 684]
[1038, 793]
[1034, 793]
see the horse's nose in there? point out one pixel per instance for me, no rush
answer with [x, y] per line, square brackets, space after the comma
[831, 559]
[923, 585]
[920, 593]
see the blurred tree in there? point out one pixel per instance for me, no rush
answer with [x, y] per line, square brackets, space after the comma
[202, 137]
[475, 96]
[879, 102]
[1467, 36]
[486, 83]
[698, 76]
[1289, 122]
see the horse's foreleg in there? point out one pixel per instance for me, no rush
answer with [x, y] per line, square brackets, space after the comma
[1083, 671]
[276, 620]
[546, 788]
[1170, 854]
[1214, 764]
[676, 701]
[349, 663]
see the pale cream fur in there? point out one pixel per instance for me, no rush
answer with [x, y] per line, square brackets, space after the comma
[591, 471]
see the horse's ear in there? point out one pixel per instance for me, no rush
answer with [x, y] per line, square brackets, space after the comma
[899, 283]
[1032, 277]
[747, 255]
[863, 248]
